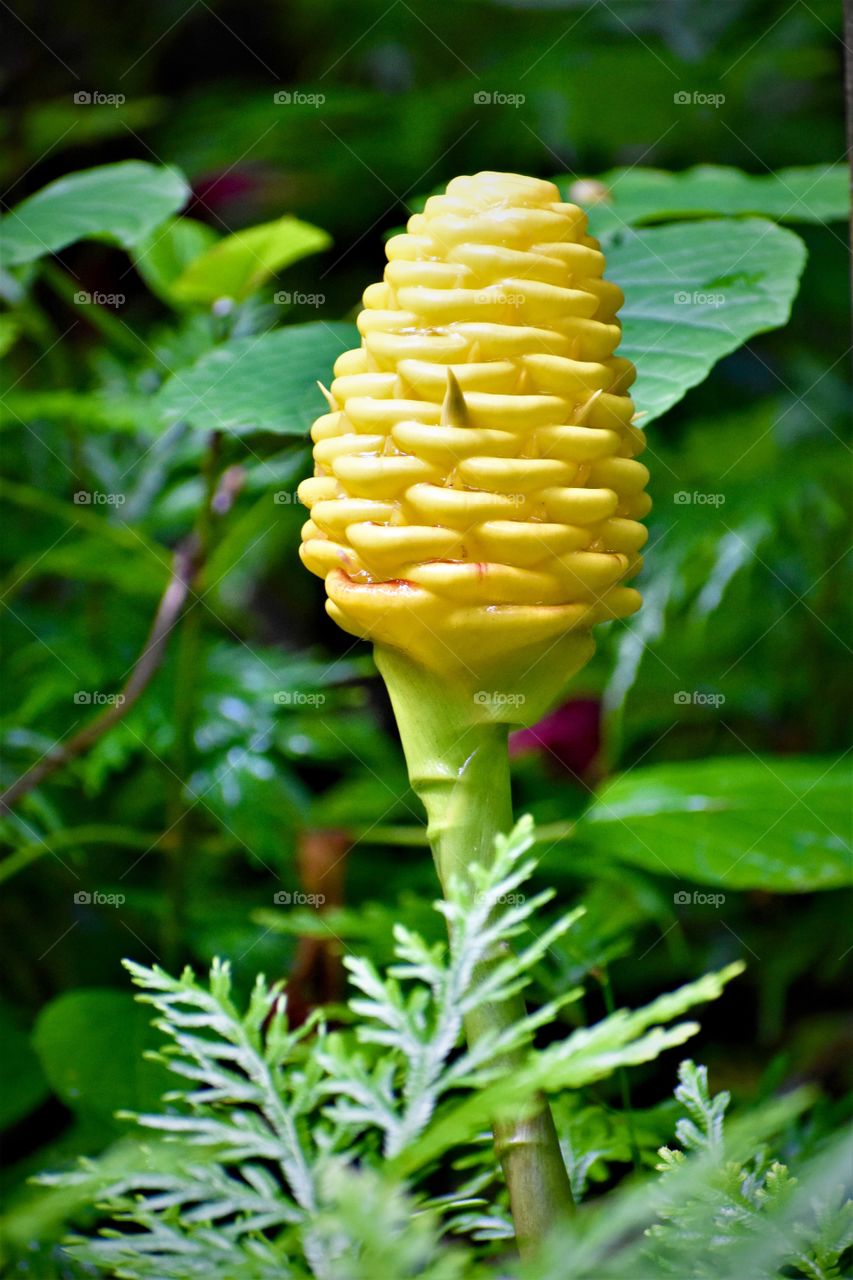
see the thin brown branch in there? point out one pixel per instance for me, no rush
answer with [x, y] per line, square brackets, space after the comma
[184, 569]
[317, 975]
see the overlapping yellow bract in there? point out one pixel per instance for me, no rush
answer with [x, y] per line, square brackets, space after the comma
[476, 496]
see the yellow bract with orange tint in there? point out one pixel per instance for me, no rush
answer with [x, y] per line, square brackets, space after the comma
[476, 496]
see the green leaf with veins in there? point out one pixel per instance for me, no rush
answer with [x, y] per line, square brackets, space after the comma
[237, 266]
[739, 822]
[695, 292]
[163, 256]
[266, 383]
[120, 203]
[807, 193]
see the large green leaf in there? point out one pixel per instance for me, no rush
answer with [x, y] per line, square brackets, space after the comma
[696, 291]
[90, 1043]
[120, 203]
[237, 266]
[265, 383]
[810, 193]
[161, 257]
[738, 822]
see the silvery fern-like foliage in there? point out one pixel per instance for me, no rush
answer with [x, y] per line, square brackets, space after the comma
[309, 1152]
[418, 1010]
[735, 1200]
[702, 1128]
[821, 1243]
[721, 1209]
[730, 1197]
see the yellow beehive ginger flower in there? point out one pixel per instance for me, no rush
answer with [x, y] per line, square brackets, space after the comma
[476, 497]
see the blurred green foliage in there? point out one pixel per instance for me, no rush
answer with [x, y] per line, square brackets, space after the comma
[167, 311]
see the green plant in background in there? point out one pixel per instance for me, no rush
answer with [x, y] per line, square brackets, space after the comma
[162, 336]
[407, 1095]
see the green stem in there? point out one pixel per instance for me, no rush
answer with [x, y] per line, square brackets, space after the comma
[458, 764]
[82, 837]
[74, 837]
[411, 837]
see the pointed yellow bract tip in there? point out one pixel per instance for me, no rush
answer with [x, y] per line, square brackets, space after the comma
[476, 497]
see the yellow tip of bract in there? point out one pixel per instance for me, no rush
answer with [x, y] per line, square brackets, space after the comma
[476, 497]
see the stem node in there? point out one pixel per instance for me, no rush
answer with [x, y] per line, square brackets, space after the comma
[458, 765]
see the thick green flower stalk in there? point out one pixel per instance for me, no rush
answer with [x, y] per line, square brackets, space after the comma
[474, 512]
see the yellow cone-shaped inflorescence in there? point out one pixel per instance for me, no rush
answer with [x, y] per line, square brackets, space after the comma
[476, 497]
